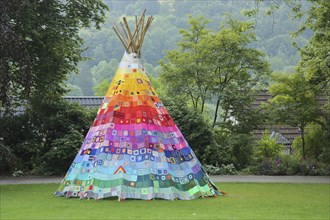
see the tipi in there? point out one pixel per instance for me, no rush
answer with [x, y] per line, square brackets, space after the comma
[134, 149]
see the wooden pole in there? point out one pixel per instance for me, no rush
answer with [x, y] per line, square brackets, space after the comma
[139, 37]
[132, 39]
[150, 19]
[133, 43]
[136, 34]
[122, 34]
[120, 38]
[124, 30]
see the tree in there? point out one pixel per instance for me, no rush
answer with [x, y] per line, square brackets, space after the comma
[232, 61]
[315, 58]
[206, 63]
[219, 67]
[40, 45]
[294, 102]
[186, 68]
[315, 65]
[239, 117]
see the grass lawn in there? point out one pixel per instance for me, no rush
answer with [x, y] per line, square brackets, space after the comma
[244, 201]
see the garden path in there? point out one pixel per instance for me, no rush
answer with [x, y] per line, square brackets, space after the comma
[218, 178]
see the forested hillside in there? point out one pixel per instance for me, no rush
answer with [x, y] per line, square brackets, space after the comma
[105, 50]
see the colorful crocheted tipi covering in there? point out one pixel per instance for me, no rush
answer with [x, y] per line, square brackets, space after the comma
[134, 149]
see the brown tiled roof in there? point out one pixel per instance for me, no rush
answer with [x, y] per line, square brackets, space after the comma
[289, 132]
[263, 96]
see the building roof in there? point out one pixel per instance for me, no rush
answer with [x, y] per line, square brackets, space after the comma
[288, 132]
[263, 96]
[283, 134]
[280, 138]
[86, 101]
[284, 131]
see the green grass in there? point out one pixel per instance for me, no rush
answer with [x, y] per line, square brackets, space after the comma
[244, 201]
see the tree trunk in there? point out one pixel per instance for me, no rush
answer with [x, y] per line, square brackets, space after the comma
[216, 113]
[192, 99]
[203, 103]
[5, 84]
[302, 129]
[196, 107]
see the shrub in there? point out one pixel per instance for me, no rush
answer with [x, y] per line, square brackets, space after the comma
[247, 171]
[63, 150]
[212, 170]
[290, 165]
[8, 160]
[228, 169]
[222, 170]
[230, 148]
[45, 137]
[317, 144]
[242, 149]
[267, 148]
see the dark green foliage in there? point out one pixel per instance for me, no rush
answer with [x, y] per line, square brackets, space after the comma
[40, 45]
[240, 117]
[230, 148]
[220, 152]
[8, 160]
[268, 159]
[281, 165]
[42, 135]
[18, 138]
[242, 147]
[317, 143]
[193, 126]
[61, 154]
